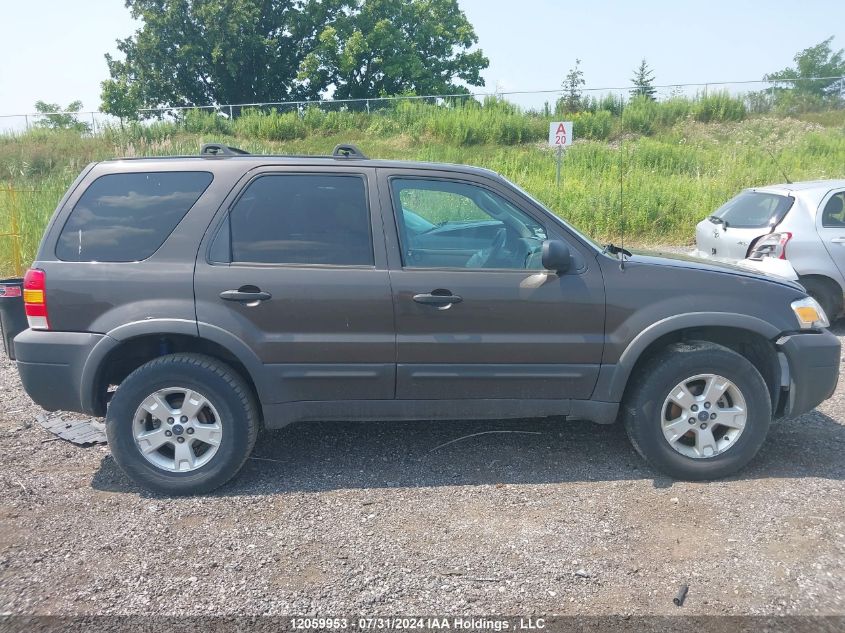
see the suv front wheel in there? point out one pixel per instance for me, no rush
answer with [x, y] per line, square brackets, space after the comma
[182, 424]
[698, 411]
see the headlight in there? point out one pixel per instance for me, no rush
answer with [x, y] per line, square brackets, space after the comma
[809, 313]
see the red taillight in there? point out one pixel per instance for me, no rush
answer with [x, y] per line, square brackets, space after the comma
[35, 299]
[771, 245]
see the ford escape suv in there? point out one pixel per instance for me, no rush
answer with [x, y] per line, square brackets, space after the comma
[193, 299]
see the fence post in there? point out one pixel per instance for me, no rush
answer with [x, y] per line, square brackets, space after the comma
[368, 106]
[15, 230]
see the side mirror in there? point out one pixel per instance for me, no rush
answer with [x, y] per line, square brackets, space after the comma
[556, 256]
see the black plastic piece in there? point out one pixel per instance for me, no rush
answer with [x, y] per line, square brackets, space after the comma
[12, 315]
[348, 151]
[813, 361]
[218, 149]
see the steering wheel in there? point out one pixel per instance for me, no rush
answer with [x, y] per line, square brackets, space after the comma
[485, 255]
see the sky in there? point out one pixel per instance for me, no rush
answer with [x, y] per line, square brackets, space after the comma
[53, 50]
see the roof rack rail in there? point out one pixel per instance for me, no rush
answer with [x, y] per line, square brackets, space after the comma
[347, 151]
[218, 149]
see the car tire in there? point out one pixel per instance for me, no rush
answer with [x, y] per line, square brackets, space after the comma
[182, 424]
[662, 430]
[827, 293]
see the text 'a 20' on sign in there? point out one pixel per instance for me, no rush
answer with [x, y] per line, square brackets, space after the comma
[560, 133]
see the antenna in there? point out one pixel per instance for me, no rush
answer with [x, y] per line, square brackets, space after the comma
[621, 208]
[777, 164]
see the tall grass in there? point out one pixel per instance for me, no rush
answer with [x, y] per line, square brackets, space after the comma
[677, 163]
[467, 122]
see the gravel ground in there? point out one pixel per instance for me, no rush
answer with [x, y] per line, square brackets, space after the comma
[531, 517]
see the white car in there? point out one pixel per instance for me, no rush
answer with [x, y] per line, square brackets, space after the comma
[794, 230]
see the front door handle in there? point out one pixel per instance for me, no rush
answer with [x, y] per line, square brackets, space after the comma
[245, 296]
[436, 298]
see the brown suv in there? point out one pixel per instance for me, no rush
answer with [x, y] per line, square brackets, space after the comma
[224, 291]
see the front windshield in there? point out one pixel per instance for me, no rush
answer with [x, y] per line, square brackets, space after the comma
[587, 239]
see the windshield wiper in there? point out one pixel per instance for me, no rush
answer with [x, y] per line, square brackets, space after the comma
[615, 250]
[717, 220]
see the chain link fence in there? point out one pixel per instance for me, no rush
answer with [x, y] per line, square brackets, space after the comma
[759, 95]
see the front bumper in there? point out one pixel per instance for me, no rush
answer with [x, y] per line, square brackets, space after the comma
[51, 366]
[813, 360]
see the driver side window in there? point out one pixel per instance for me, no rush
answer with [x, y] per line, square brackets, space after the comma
[449, 224]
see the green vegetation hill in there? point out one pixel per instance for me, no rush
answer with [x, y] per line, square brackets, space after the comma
[681, 158]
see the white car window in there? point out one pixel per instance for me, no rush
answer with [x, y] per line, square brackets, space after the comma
[833, 214]
[753, 210]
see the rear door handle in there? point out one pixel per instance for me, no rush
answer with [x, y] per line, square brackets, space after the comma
[838, 240]
[245, 296]
[432, 299]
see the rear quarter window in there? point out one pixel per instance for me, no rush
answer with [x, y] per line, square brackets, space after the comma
[833, 215]
[127, 217]
[754, 210]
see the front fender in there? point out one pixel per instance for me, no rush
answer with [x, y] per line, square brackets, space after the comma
[614, 377]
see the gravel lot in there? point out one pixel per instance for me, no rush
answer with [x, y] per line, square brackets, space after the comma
[532, 517]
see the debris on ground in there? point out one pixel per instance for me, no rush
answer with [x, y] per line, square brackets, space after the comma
[84, 432]
[681, 595]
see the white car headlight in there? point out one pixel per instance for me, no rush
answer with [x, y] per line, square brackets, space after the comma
[809, 313]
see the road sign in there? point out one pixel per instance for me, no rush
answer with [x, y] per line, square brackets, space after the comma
[560, 133]
[560, 136]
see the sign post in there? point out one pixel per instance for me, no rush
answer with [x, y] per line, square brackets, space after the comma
[560, 136]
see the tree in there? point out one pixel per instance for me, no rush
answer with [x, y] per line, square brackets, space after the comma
[213, 52]
[571, 101]
[643, 82]
[817, 61]
[205, 52]
[122, 99]
[391, 47]
[54, 117]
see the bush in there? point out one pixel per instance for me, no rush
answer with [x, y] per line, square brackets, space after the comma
[610, 102]
[270, 126]
[640, 116]
[205, 122]
[495, 121]
[596, 126]
[718, 106]
[672, 110]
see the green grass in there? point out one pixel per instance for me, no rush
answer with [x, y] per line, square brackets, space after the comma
[680, 159]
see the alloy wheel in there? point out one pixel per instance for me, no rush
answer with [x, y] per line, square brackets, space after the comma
[703, 416]
[177, 429]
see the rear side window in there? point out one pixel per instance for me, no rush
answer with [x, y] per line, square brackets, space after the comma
[754, 210]
[127, 217]
[301, 219]
[834, 211]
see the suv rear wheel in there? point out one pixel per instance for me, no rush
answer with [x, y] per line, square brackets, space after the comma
[698, 411]
[182, 424]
